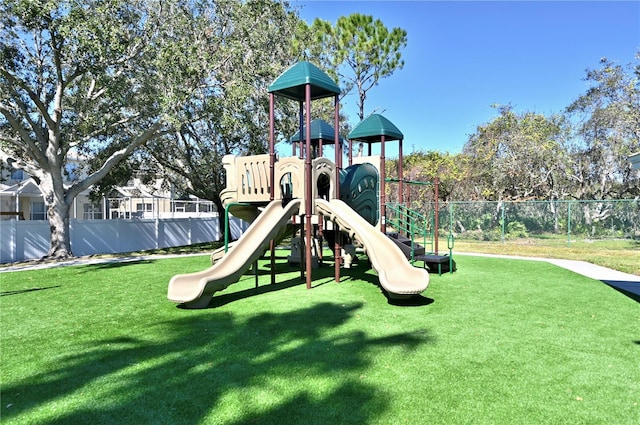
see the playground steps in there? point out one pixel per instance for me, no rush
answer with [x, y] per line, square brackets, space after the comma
[432, 262]
[406, 245]
[441, 263]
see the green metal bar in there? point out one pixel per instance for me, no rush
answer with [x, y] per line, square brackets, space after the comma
[226, 222]
[450, 243]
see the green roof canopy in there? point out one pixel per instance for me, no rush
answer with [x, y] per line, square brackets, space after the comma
[291, 83]
[320, 129]
[373, 127]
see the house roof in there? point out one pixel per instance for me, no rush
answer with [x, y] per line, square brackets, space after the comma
[372, 128]
[320, 129]
[635, 161]
[25, 187]
[134, 192]
[292, 82]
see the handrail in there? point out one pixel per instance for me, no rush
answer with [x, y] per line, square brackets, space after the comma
[412, 223]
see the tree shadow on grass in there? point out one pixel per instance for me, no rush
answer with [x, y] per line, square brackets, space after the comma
[115, 264]
[322, 275]
[22, 291]
[225, 298]
[630, 289]
[215, 367]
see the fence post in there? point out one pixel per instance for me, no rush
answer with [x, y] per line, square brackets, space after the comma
[451, 217]
[569, 223]
[157, 230]
[14, 240]
[502, 227]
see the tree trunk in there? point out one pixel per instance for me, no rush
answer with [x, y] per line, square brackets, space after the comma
[60, 246]
[218, 203]
[58, 212]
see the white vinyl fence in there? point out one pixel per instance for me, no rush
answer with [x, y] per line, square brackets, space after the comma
[27, 240]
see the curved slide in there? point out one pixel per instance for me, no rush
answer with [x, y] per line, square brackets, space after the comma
[397, 276]
[196, 289]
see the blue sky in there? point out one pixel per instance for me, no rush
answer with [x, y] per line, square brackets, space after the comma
[464, 56]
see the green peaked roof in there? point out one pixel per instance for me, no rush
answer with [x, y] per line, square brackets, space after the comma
[291, 83]
[373, 127]
[320, 129]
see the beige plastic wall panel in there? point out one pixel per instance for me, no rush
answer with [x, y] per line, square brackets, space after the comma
[324, 166]
[228, 196]
[289, 172]
[229, 164]
[253, 178]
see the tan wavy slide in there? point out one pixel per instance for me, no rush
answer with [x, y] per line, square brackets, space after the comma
[196, 289]
[397, 276]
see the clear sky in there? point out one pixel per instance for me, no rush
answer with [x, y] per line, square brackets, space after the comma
[463, 56]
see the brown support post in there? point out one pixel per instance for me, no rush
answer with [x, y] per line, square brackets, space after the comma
[400, 174]
[303, 249]
[272, 150]
[308, 185]
[272, 186]
[338, 157]
[436, 215]
[300, 132]
[383, 189]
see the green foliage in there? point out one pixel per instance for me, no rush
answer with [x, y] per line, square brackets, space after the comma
[95, 81]
[516, 229]
[608, 119]
[249, 46]
[424, 167]
[579, 154]
[361, 50]
[516, 156]
[98, 80]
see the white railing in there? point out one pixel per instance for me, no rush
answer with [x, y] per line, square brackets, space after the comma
[26, 240]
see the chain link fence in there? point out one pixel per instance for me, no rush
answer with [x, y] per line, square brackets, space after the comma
[500, 221]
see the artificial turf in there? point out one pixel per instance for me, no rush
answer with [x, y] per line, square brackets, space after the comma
[497, 342]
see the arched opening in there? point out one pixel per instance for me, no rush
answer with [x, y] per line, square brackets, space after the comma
[323, 186]
[286, 187]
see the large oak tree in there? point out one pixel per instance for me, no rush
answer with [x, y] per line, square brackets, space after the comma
[82, 77]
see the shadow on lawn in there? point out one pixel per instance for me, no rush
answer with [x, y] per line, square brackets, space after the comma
[23, 291]
[321, 276]
[630, 289]
[212, 366]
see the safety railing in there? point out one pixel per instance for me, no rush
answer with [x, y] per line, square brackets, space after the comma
[417, 227]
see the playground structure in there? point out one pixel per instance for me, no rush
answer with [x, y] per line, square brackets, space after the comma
[312, 192]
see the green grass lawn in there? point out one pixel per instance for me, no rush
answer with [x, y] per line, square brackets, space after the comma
[497, 342]
[619, 254]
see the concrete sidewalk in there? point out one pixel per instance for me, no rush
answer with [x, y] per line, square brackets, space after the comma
[581, 267]
[85, 261]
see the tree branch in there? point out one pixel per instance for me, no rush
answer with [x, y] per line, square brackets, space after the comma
[27, 142]
[114, 159]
